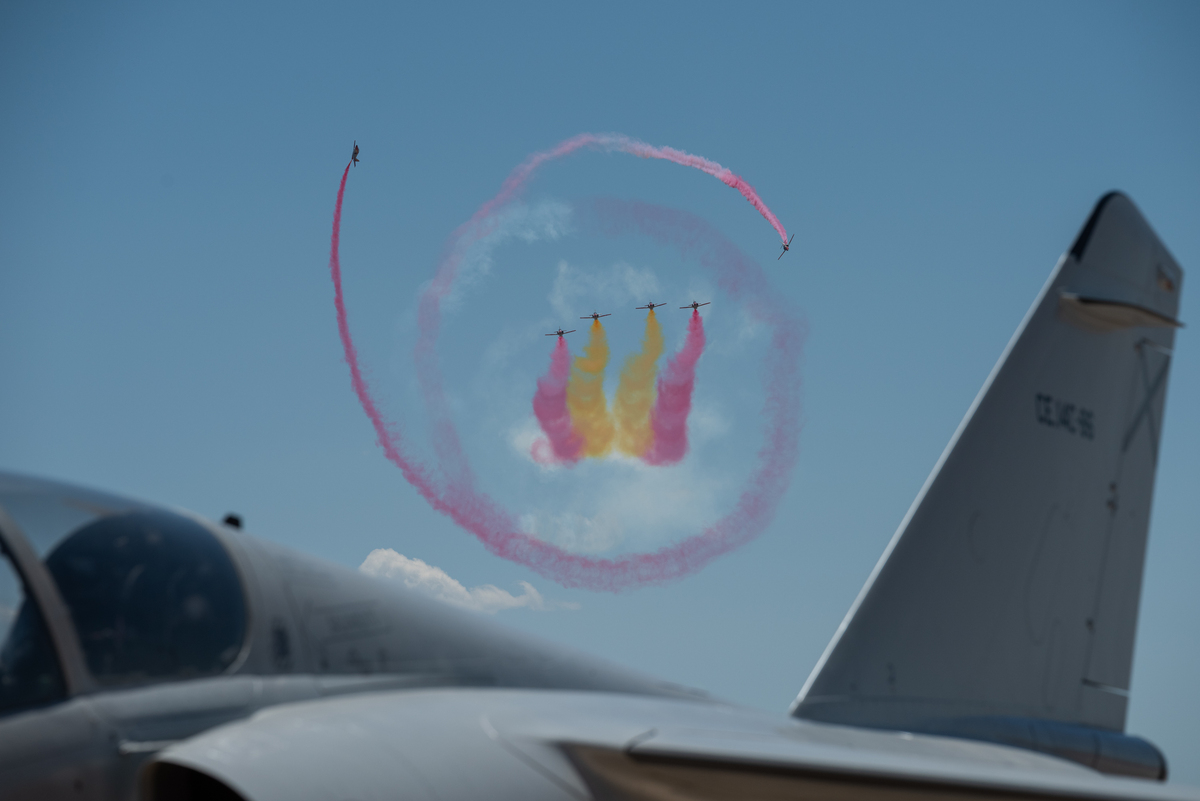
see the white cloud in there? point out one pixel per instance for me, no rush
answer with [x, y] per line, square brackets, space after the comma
[620, 503]
[574, 532]
[521, 437]
[437, 583]
[548, 220]
[620, 283]
[749, 329]
[706, 422]
[660, 503]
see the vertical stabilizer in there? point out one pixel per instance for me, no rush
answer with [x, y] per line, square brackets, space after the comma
[1007, 600]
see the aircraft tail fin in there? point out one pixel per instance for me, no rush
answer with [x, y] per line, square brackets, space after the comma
[1005, 605]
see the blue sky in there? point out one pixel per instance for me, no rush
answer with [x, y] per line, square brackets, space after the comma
[167, 177]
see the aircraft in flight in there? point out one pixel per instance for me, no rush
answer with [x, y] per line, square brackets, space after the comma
[561, 333]
[786, 247]
[354, 155]
[694, 306]
[148, 653]
[651, 306]
[594, 316]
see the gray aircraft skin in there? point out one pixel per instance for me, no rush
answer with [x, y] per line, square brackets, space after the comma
[150, 653]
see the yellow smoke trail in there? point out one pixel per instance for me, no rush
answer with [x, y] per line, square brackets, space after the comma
[585, 395]
[635, 392]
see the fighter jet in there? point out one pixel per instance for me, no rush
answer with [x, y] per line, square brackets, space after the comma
[561, 333]
[694, 305]
[354, 155]
[651, 306]
[594, 316]
[786, 247]
[149, 653]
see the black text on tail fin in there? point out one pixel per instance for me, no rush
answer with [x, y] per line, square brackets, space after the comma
[1004, 607]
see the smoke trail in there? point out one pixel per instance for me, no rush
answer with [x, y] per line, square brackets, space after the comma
[387, 438]
[561, 444]
[457, 497]
[621, 143]
[585, 395]
[627, 145]
[635, 392]
[669, 417]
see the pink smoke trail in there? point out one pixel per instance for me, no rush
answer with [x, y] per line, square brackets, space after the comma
[634, 147]
[473, 510]
[668, 418]
[561, 443]
[627, 145]
[387, 438]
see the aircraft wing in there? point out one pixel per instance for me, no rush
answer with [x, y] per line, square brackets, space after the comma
[459, 744]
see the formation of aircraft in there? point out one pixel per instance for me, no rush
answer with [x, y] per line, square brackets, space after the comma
[149, 653]
[651, 306]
